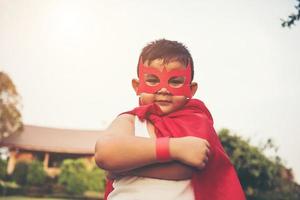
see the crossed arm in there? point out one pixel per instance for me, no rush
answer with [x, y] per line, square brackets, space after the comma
[168, 171]
[121, 153]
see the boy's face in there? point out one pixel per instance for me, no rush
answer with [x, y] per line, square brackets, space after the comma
[163, 97]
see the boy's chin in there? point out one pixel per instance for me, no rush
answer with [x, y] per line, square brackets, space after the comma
[166, 109]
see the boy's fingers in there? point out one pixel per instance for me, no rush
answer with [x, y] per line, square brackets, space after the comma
[201, 166]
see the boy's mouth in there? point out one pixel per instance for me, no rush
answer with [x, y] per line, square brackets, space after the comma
[163, 102]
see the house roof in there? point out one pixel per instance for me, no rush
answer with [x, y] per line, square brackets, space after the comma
[36, 138]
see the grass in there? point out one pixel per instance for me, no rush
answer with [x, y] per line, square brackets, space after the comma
[26, 198]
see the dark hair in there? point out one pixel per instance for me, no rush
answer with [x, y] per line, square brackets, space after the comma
[168, 51]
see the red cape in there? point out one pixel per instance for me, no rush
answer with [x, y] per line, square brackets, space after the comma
[218, 181]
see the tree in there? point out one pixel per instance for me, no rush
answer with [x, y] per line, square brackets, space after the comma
[292, 18]
[79, 175]
[261, 177]
[10, 117]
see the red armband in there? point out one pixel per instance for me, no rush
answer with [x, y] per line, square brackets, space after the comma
[162, 149]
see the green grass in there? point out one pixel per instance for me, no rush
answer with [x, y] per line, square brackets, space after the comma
[26, 198]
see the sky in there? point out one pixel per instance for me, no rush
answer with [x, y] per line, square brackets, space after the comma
[72, 61]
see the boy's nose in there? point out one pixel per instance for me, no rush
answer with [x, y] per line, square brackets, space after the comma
[163, 91]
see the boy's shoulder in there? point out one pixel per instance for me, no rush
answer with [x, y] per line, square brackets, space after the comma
[123, 123]
[126, 116]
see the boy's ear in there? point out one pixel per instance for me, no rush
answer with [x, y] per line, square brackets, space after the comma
[194, 87]
[135, 84]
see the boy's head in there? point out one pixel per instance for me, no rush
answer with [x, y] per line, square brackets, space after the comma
[167, 51]
[165, 71]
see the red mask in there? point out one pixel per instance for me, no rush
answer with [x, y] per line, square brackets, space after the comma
[164, 77]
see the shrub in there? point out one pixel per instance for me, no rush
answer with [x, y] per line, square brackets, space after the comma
[20, 173]
[77, 177]
[36, 174]
[73, 176]
[3, 166]
[96, 179]
[261, 177]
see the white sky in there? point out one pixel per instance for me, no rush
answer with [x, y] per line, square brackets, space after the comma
[73, 61]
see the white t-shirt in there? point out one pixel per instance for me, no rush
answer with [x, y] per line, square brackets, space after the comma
[141, 188]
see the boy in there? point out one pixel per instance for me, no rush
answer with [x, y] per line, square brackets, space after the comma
[166, 148]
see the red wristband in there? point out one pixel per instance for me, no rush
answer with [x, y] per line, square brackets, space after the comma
[162, 149]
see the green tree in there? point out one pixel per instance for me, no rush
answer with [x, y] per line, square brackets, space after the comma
[20, 173]
[292, 17]
[10, 117]
[78, 177]
[36, 176]
[261, 177]
[3, 166]
[73, 175]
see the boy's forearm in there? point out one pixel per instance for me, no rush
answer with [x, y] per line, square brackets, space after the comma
[169, 171]
[124, 153]
[119, 153]
[119, 150]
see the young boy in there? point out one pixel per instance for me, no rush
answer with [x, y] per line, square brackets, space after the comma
[167, 147]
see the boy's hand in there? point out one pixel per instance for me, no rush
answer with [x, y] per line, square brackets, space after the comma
[190, 150]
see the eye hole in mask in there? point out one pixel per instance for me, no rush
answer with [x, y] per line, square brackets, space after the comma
[176, 81]
[151, 79]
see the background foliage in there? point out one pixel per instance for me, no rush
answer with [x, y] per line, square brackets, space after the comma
[10, 117]
[3, 166]
[78, 177]
[292, 17]
[29, 173]
[261, 177]
[36, 175]
[20, 173]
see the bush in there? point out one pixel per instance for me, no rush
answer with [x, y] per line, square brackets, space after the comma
[10, 188]
[261, 177]
[73, 176]
[77, 177]
[3, 166]
[96, 179]
[20, 173]
[36, 175]
[29, 173]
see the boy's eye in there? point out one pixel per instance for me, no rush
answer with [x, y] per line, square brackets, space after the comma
[176, 81]
[151, 80]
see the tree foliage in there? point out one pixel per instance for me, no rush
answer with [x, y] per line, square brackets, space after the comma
[20, 173]
[261, 177]
[72, 176]
[10, 117]
[292, 17]
[3, 166]
[36, 176]
[78, 177]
